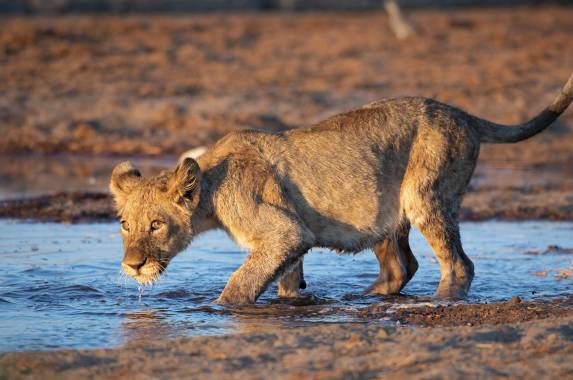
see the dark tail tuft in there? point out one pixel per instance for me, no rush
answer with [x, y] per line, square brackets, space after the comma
[496, 133]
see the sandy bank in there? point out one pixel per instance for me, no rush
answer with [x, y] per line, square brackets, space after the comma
[496, 347]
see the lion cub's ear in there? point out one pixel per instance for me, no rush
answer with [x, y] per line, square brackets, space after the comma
[124, 178]
[184, 182]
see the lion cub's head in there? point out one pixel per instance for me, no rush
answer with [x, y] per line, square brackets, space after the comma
[155, 216]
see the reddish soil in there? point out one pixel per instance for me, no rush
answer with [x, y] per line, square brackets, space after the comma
[513, 311]
[162, 84]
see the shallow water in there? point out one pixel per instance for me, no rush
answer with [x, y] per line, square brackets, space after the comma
[60, 285]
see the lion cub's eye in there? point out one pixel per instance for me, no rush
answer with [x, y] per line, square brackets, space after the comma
[156, 224]
[125, 225]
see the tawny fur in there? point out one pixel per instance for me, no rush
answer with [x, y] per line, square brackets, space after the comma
[355, 181]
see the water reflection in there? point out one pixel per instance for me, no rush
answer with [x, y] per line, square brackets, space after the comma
[148, 325]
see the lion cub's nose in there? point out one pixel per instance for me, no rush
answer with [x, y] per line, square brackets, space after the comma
[135, 262]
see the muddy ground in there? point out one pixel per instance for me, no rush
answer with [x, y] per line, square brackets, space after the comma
[159, 85]
[533, 341]
[164, 84]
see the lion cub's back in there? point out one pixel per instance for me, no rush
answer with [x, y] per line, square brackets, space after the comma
[345, 173]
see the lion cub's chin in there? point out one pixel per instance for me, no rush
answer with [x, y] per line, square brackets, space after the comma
[147, 274]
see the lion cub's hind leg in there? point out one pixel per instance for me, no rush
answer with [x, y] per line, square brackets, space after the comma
[291, 282]
[397, 264]
[457, 270]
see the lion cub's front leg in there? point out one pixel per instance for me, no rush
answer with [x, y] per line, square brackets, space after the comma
[262, 267]
[280, 244]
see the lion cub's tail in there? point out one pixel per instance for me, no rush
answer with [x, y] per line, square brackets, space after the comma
[496, 133]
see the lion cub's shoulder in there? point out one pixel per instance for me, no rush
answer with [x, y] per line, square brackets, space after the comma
[241, 146]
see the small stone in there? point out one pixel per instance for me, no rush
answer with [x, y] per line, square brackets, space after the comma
[551, 338]
[382, 334]
[515, 300]
[354, 340]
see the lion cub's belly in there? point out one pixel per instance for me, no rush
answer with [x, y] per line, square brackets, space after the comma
[352, 223]
[346, 240]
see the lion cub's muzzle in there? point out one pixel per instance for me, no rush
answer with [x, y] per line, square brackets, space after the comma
[135, 262]
[143, 268]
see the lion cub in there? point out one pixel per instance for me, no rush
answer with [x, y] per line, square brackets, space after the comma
[357, 180]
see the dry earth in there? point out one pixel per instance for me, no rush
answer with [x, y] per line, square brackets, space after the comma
[163, 84]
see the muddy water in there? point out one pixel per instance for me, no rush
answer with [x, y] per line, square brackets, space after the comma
[60, 286]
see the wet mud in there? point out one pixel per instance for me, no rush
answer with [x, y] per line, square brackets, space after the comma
[498, 313]
[535, 349]
[62, 207]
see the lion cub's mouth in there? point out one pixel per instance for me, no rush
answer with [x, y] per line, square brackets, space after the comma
[149, 273]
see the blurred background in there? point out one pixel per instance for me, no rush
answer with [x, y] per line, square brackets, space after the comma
[201, 5]
[86, 83]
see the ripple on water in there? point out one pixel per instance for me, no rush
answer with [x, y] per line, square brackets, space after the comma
[68, 292]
